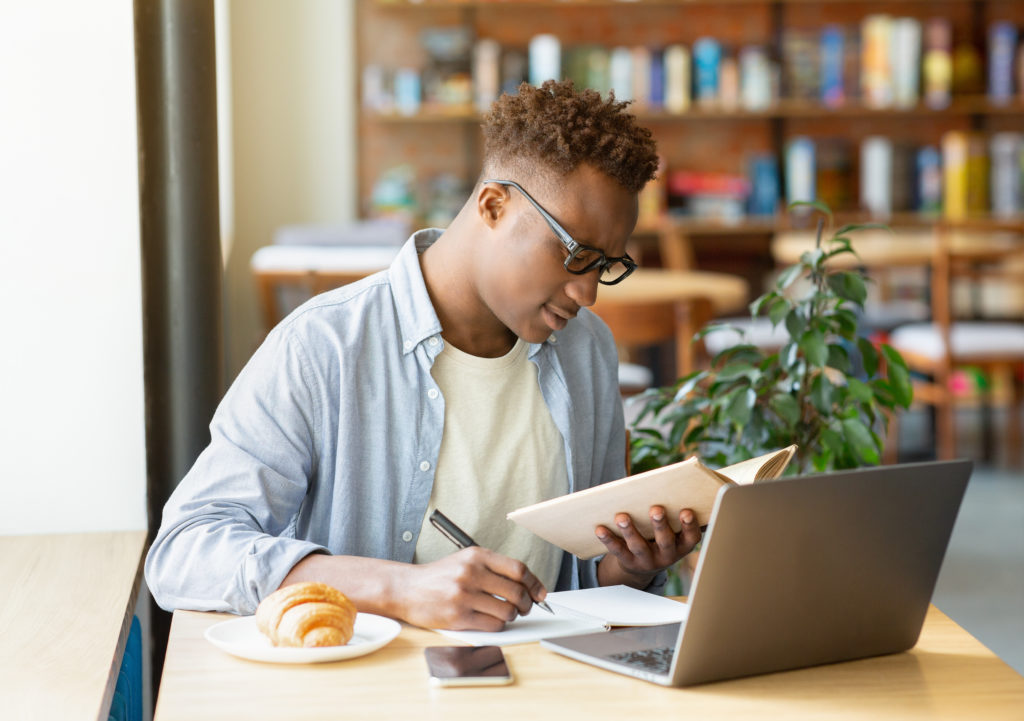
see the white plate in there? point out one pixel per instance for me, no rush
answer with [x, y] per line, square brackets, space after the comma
[240, 637]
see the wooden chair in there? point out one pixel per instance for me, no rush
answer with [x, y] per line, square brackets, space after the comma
[966, 259]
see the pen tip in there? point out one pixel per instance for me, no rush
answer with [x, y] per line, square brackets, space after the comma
[545, 606]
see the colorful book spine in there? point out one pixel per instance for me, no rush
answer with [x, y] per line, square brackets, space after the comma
[954, 175]
[876, 66]
[977, 175]
[408, 91]
[598, 70]
[545, 59]
[514, 70]
[486, 73]
[876, 159]
[707, 58]
[641, 60]
[801, 176]
[729, 84]
[1007, 150]
[677, 79]
[656, 84]
[755, 78]
[905, 56]
[833, 93]
[928, 180]
[764, 185]
[937, 65]
[621, 72]
[1002, 46]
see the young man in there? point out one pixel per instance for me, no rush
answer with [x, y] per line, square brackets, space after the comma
[467, 377]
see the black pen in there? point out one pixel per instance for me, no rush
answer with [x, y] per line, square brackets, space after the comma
[461, 539]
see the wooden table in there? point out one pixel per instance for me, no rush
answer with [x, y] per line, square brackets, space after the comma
[655, 305]
[65, 611]
[948, 675]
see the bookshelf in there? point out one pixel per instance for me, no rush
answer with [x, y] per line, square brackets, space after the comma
[439, 146]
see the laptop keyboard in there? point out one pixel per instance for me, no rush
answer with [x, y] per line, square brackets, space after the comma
[655, 660]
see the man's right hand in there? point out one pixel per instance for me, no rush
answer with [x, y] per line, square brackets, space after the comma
[472, 589]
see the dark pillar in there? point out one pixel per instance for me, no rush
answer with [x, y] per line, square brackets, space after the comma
[176, 84]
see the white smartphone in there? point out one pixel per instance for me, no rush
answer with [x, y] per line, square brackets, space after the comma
[467, 666]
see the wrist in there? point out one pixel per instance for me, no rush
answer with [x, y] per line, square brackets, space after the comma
[610, 573]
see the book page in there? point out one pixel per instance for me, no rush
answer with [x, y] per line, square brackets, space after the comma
[569, 521]
[770, 465]
[533, 627]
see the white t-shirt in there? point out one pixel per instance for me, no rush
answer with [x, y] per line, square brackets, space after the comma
[500, 450]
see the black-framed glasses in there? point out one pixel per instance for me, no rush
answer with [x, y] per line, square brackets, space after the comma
[582, 258]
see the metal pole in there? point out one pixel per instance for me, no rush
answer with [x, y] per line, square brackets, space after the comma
[176, 87]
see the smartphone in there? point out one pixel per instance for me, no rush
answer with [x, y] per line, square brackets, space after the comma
[467, 666]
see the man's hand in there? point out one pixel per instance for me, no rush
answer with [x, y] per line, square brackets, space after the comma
[632, 559]
[472, 589]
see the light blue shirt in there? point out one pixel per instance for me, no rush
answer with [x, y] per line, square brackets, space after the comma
[328, 439]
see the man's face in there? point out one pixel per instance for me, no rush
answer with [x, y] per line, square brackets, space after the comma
[523, 280]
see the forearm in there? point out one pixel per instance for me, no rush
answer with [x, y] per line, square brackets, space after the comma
[373, 585]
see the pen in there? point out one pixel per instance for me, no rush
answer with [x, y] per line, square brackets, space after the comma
[461, 539]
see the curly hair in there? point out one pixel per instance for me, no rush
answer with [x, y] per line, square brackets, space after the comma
[559, 127]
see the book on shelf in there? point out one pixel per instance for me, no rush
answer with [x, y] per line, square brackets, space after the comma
[977, 175]
[569, 521]
[876, 176]
[937, 63]
[620, 69]
[545, 53]
[834, 176]
[1002, 46]
[729, 84]
[801, 65]
[801, 176]
[928, 180]
[832, 56]
[656, 79]
[954, 175]
[905, 59]
[677, 78]
[764, 185]
[641, 62]
[486, 73]
[876, 61]
[1007, 152]
[707, 59]
[756, 86]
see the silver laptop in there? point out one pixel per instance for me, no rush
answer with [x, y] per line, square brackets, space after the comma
[799, 572]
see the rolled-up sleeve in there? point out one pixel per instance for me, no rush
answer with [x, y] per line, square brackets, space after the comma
[226, 539]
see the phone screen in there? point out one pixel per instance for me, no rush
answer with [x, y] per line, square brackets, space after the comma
[467, 666]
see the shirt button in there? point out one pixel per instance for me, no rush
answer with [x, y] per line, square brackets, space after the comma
[425, 466]
[408, 345]
[552, 338]
[407, 536]
[433, 340]
[432, 393]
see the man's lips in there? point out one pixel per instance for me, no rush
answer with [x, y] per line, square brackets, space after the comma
[555, 317]
[561, 313]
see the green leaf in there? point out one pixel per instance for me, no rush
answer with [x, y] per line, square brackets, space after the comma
[740, 405]
[812, 344]
[859, 437]
[821, 394]
[846, 321]
[848, 285]
[816, 204]
[788, 354]
[899, 382]
[834, 441]
[795, 323]
[736, 369]
[892, 356]
[688, 383]
[868, 355]
[838, 358]
[758, 305]
[860, 390]
[778, 310]
[853, 227]
[787, 276]
[786, 407]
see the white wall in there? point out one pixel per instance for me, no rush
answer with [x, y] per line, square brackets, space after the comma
[72, 438]
[293, 136]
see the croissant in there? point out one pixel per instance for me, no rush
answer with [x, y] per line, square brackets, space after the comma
[306, 614]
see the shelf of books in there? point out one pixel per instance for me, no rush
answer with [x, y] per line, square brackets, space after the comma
[909, 112]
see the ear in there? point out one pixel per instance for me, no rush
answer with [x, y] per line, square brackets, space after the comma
[492, 203]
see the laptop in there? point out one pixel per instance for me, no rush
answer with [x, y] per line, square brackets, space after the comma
[799, 572]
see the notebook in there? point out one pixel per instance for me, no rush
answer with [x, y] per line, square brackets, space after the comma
[799, 572]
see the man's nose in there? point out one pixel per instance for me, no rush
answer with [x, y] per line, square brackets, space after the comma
[582, 289]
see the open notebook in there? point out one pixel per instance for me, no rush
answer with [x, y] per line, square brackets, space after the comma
[583, 611]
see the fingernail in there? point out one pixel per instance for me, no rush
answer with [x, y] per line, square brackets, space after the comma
[602, 534]
[687, 517]
[658, 516]
[622, 524]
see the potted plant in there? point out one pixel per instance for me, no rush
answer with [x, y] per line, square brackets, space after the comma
[828, 389]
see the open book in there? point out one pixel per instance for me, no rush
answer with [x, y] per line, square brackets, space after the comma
[569, 521]
[583, 611]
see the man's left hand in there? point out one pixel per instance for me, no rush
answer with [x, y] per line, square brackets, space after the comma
[633, 560]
